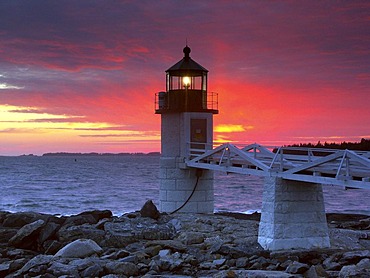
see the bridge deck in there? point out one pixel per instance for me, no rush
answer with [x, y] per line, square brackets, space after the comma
[325, 166]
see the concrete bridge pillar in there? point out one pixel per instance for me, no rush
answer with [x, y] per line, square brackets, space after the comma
[293, 215]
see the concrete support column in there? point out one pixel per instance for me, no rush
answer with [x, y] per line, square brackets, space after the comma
[293, 215]
[177, 183]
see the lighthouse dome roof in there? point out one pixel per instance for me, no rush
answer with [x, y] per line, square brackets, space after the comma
[187, 65]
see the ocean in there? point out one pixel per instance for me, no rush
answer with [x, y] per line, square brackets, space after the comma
[66, 185]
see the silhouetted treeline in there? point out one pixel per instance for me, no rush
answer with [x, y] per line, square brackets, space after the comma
[363, 145]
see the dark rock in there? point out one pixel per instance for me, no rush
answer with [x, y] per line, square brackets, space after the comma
[17, 264]
[156, 232]
[4, 269]
[128, 269]
[122, 254]
[118, 234]
[3, 215]
[190, 238]
[233, 251]
[214, 244]
[331, 263]
[20, 219]
[242, 262]
[37, 270]
[150, 210]
[252, 274]
[364, 263]
[52, 246]
[297, 268]
[101, 223]
[152, 250]
[174, 245]
[98, 214]
[130, 259]
[60, 269]
[26, 237]
[80, 219]
[354, 257]
[87, 231]
[36, 261]
[316, 271]
[6, 234]
[15, 254]
[93, 271]
[353, 271]
[48, 231]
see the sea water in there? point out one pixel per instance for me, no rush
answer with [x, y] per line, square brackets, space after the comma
[68, 185]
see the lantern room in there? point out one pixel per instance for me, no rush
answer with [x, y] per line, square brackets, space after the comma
[186, 89]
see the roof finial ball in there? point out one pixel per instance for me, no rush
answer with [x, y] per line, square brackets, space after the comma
[186, 51]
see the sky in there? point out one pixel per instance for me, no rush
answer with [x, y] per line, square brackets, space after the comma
[80, 76]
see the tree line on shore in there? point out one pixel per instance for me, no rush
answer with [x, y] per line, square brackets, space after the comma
[363, 145]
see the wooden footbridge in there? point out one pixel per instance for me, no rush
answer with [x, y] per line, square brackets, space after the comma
[293, 209]
[346, 168]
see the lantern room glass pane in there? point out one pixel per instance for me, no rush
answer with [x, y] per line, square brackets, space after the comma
[177, 82]
[204, 85]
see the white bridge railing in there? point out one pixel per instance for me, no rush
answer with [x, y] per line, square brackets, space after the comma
[326, 166]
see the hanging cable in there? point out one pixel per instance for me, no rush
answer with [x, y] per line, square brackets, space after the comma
[198, 174]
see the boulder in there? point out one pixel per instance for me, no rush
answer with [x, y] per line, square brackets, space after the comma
[17, 264]
[214, 243]
[156, 232]
[125, 268]
[80, 219]
[354, 257]
[36, 261]
[4, 269]
[6, 234]
[150, 210]
[297, 268]
[364, 263]
[316, 271]
[242, 262]
[19, 219]
[98, 214]
[348, 271]
[59, 269]
[3, 215]
[87, 231]
[118, 234]
[79, 248]
[26, 237]
[190, 238]
[48, 231]
[93, 271]
[152, 250]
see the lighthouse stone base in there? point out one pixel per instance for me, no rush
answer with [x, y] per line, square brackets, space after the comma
[177, 183]
[293, 216]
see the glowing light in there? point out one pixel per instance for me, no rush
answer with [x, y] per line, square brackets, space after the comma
[186, 81]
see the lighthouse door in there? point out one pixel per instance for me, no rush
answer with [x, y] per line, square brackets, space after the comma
[198, 133]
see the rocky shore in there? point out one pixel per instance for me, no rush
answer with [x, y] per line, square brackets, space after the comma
[149, 244]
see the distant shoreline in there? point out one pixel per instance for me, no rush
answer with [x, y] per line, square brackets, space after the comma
[63, 154]
[102, 154]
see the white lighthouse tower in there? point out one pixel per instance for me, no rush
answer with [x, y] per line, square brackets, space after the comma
[187, 111]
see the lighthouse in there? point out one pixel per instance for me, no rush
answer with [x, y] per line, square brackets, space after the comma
[186, 109]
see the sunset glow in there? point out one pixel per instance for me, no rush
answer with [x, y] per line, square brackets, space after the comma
[80, 76]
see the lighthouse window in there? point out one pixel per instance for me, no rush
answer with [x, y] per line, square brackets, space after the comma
[193, 82]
